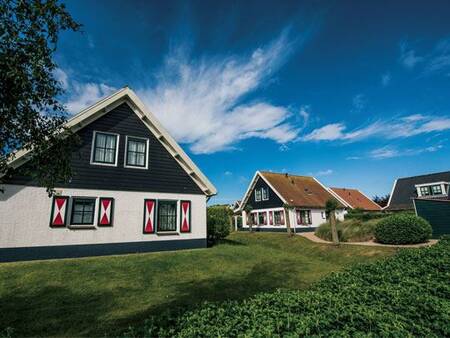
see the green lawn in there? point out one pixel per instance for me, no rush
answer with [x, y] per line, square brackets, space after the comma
[103, 295]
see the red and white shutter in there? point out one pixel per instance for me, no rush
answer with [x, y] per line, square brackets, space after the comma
[282, 217]
[185, 225]
[59, 211]
[271, 217]
[105, 211]
[265, 218]
[149, 216]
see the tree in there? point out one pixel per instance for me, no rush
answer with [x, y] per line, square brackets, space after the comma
[31, 117]
[287, 207]
[382, 201]
[248, 212]
[330, 207]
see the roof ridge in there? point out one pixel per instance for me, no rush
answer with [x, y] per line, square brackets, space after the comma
[284, 174]
[435, 173]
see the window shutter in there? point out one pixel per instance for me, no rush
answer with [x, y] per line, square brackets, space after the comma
[185, 216]
[271, 217]
[149, 216]
[282, 217]
[105, 211]
[59, 211]
[265, 218]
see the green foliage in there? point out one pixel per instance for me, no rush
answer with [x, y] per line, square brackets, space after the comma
[403, 229]
[364, 215]
[331, 205]
[404, 296]
[218, 218]
[352, 230]
[31, 116]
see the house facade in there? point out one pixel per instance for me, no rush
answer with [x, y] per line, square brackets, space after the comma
[268, 193]
[354, 199]
[133, 189]
[429, 186]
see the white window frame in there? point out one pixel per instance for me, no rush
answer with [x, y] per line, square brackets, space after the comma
[267, 193]
[147, 143]
[256, 195]
[94, 134]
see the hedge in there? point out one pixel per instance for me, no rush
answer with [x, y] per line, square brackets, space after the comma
[352, 230]
[364, 216]
[405, 295]
[218, 222]
[403, 229]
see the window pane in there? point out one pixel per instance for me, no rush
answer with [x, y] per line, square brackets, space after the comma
[136, 152]
[83, 211]
[77, 218]
[99, 155]
[111, 141]
[167, 216]
[101, 140]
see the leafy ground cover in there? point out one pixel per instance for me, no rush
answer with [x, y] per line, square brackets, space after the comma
[407, 295]
[105, 295]
[351, 230]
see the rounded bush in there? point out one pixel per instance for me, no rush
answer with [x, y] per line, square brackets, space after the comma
[402, 229]
[218, 220]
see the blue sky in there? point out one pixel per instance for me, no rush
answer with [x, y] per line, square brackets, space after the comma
[354, 93]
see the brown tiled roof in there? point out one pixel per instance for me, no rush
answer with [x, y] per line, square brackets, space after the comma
[299, 191]
[356, 199]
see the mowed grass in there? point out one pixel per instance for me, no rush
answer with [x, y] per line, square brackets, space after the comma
[104, 295]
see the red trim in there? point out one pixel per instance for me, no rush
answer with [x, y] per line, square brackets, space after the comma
[149, 216]
[185, 214]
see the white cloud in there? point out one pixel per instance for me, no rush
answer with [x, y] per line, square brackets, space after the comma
[323, 173]
[81, 95]
[385, 79]
[61, 76]
[359, 102]
[305, 112]
[389, 152]
[402, 127]
[201, 102]
[228, 173]
[408, 57]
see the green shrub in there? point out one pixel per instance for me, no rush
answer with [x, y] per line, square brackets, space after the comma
[218, 219]
[407, 295]
[362, 215]
[349, 231]
[403, 229]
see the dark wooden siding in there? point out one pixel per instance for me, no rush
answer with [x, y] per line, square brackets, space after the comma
[437, 213]
[163, 175]
[273, 202]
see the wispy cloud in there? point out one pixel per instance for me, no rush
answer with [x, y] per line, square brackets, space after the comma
[80, 94]
[401, 127]
[408, 57]
[390, 152]
[434, 60]
[210, 95]
[319, 173]
[359, 102]
[385, 79]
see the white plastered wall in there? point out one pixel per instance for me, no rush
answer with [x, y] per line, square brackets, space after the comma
[25, 217]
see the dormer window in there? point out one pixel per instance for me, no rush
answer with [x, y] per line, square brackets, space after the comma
[258, 195]
[432, 189]
[436, 190]
[104, 148]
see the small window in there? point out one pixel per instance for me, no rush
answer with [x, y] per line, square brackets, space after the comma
[436, 189]
[277, 217]
[262, 218]
[83, 210]
[104, 148]
[136, 153]
[258, 195]
[167, 216]
[425, 191]
[324, 215]
[305, 217]
[265, 194]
